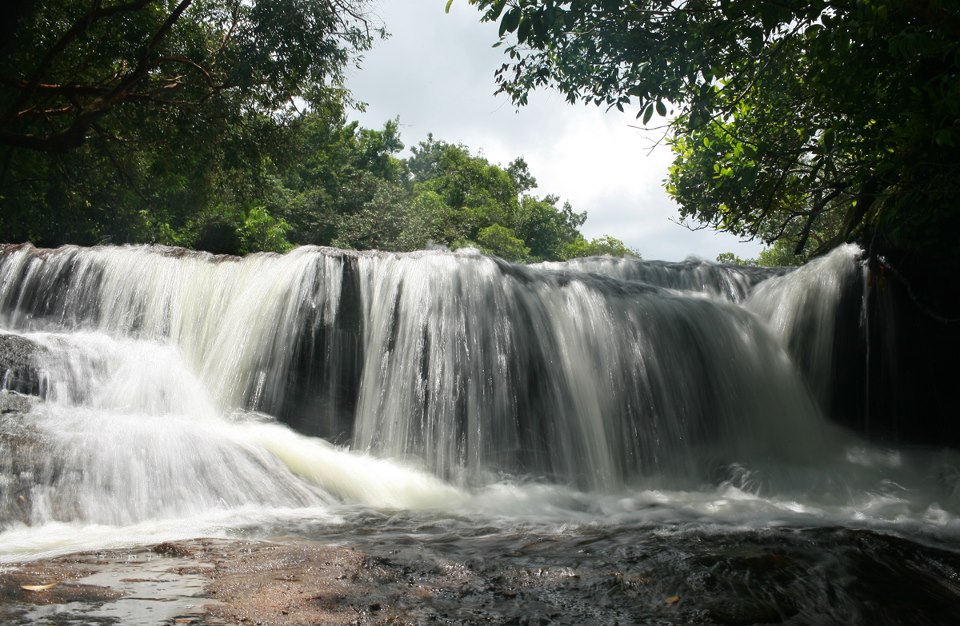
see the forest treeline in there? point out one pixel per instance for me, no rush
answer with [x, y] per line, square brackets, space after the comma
[315, 179]
[222, 125]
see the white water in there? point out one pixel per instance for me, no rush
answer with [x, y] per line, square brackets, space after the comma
[552, 395]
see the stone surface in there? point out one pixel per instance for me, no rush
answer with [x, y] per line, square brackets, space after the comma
[19, 366]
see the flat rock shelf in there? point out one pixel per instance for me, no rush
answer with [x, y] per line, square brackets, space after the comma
[398, 576]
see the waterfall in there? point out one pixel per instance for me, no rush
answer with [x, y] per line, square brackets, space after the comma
[730, 282]
[145, 383]
[598, 373]
[801, 310]
[474, 366]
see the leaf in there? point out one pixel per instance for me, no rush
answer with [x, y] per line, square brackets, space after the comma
[648, 114]
[524, 30]
[510, 21]
[661, 109]
[447, 9]
[39, 587]
[812, 31]
[769, 16]
[673, 599]
[828, 137]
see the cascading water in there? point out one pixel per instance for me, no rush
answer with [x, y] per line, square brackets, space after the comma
[179, 394]
[467, 367]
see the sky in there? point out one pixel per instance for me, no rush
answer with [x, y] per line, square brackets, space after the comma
[436, 73]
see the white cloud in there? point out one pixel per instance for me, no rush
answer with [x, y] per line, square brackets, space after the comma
[436, 73]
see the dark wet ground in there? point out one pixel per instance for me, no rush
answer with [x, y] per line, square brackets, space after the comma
[441, 573]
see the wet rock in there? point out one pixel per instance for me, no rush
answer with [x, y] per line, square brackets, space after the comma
[171, 549]
[13, 402]
[20, 371]
[21, 451]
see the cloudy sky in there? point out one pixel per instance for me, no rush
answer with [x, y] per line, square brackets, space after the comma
[436, 73]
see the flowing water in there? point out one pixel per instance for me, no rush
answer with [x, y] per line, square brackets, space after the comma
[606, 408]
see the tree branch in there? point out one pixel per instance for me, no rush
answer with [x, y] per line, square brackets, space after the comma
[75, 134]
[811, 218]
[79, 27]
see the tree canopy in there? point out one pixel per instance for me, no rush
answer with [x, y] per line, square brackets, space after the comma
[440, 195]
[69, 67]
[119, 119]
[222, 125]
[811, 123]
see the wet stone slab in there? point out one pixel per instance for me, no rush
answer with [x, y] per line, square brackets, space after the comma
[143, 586]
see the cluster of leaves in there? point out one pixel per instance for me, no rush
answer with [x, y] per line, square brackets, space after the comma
[350, 189]
[471, 202]
[219, 124]
[806, 122]
[780, 254]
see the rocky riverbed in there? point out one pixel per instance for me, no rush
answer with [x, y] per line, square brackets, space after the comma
[433, 576]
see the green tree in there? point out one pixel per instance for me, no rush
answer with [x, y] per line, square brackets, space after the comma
[389, 220]
[475, 192]
[601, 246]
[729, 258]
[335, 169]
[519, 171]
[156, 119]
[546, 229]
[839, 117]
[780, 254]
[470, 199]
[502, 242]
[70, 65]
[261, 231]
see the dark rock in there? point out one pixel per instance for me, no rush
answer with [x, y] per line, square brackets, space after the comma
[13, 402]
[22, 451]
[20, 371]
[171, 549]
[895, 352]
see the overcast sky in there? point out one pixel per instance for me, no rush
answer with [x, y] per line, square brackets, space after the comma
[436, 73]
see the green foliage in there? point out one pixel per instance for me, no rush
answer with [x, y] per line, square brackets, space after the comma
[601, 246]
[261, 231]
[729, 258]
[469, 201]
[502, 242]
[805, 122]
[548, 231]
[72, 66]
[476, 192]
[152, 121]
[519, 172]
[334, 168]
[389, 220]
[780, 254]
